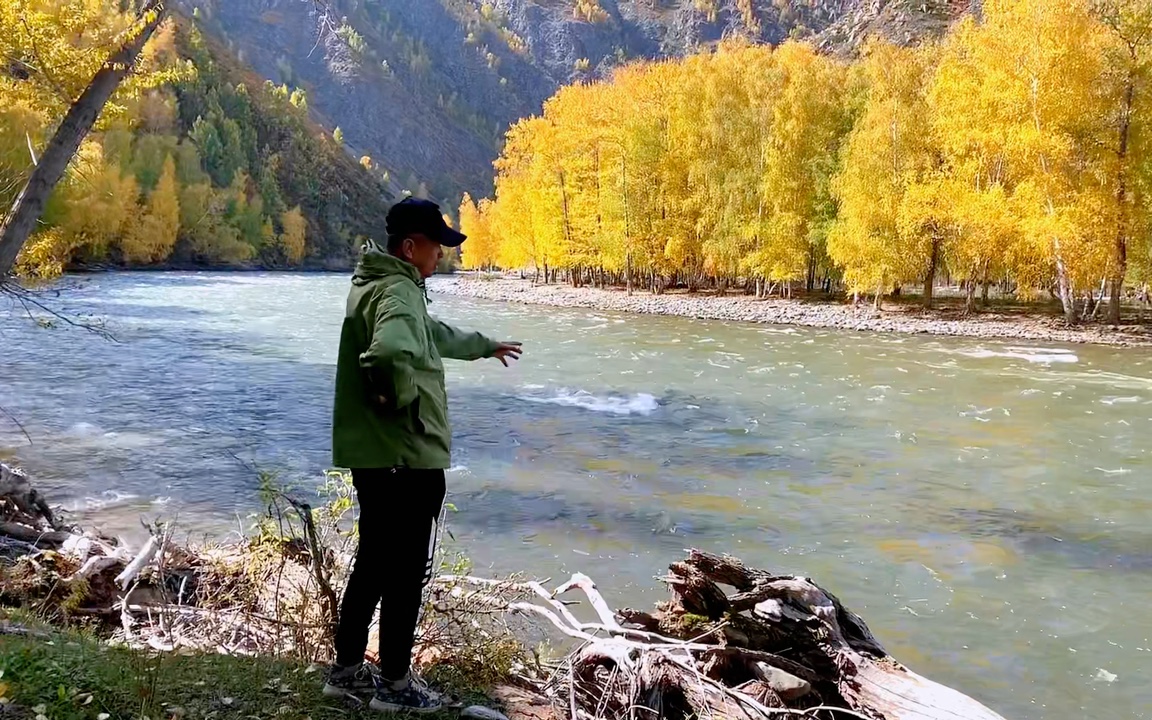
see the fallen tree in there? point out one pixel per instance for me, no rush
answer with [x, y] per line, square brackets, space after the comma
[771, 646]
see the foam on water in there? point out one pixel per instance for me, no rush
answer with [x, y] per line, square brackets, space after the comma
[1043, 356]
[84, 429]
[91, 435]
[106, 499]
[1120, 400]
[1116, 471]
[637, 404]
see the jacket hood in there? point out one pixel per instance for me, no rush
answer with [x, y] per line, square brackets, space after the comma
[376, 263]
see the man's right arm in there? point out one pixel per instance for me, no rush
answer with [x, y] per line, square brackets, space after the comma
[397, 340]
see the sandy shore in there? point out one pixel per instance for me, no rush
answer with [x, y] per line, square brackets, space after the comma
[895, 318]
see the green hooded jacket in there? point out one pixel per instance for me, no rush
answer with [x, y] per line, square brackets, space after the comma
[390, 346]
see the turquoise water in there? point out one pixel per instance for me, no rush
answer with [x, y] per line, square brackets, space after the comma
[984, 506]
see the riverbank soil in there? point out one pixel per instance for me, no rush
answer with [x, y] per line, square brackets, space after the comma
[1003, 319]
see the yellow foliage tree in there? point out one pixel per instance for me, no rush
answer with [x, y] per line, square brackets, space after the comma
[151, 236]
[888, 152]
[210, 238]
[57, 46]
[479, 252]
[807, 124]
[1017, 152]
[70, 65]
[1023, 107]
[1129, 75]
[85, 216]
[293, 239]
[100, 200]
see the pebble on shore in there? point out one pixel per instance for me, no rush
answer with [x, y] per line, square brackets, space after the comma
[843, 316]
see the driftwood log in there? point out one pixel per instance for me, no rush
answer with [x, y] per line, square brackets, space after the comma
[19, 499]
[27, 522]
[773, 647]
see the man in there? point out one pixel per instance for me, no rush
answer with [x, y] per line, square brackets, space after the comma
[390, 426]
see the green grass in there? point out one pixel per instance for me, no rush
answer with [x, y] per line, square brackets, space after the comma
[65, 675]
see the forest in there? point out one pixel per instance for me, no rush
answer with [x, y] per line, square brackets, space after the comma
[196, 162]
[1014, 153]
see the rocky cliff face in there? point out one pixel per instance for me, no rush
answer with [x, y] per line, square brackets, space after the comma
[427, 87]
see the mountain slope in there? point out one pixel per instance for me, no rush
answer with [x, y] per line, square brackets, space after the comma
[429, 86]
[287, 158]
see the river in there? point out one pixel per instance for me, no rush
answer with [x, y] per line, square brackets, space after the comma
[984, 506]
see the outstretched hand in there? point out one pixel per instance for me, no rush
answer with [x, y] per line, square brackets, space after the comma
[510, 350]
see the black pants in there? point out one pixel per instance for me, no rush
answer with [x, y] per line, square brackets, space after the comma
[399, 510]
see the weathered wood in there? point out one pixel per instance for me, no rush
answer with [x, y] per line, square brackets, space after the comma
[666, 689]
[25, 503]
[726, 570]
[750, 658]
[34, 536]
[639, 618]
[894, 692]
[781, 646]
[134, 568]
[695, 593]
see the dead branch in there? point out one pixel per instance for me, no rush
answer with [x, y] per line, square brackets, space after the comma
[316, 553]
[145, 556]
[19, 425]
[30, 300]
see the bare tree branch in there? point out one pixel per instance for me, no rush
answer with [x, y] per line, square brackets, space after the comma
[17, 423]
[29, 299]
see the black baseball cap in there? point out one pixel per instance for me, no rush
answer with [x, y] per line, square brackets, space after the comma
[412, 215]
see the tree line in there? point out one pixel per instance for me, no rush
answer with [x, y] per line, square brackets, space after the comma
[1016, 151]
[193, 159]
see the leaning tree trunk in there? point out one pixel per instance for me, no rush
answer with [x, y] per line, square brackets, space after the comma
[21, 220]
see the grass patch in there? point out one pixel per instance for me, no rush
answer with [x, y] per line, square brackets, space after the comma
[63, 675]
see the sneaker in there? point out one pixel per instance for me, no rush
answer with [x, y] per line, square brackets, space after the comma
[422, 684]
[405, 696]
[351, 682]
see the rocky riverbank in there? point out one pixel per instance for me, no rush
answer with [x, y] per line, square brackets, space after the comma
[894, 318]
